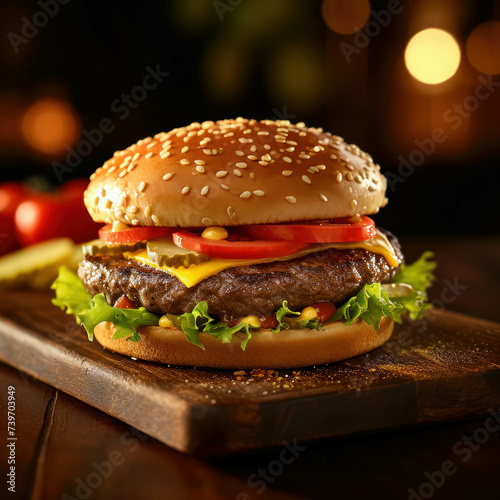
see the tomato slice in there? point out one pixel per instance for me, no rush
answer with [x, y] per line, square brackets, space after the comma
[325, 310]
[133, 234]
[237, 247]
[125, 303]
[335, 231]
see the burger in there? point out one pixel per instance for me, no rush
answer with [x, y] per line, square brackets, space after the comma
[241, 244]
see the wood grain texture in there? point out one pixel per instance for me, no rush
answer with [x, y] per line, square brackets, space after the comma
[445, 367]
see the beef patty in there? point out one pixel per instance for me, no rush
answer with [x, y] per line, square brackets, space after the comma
[330, 275]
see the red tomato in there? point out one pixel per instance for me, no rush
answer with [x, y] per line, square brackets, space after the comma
[268, 320]
[325, 310]
[12, 193]
[314, 232]
[138, 233]
[247, 249]
[8, 241]
[50, 216]
[125, 303]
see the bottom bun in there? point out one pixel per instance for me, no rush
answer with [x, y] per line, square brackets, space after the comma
[286, 349]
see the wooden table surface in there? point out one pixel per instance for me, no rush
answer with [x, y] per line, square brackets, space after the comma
[67, 449]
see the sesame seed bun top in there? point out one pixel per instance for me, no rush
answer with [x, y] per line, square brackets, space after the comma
[235, 172]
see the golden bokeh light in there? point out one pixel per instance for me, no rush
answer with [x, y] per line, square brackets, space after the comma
[345, 16]
[49, 125]
[483, 47]
[432, 56]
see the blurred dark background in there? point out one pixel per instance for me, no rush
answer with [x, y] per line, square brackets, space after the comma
[74, 87]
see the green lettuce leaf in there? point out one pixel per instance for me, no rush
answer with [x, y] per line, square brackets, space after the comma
[71, 294]
[198, 320]
[73, 297]
[372, 302]
[126, 321]
[280, 314]
[419, 274]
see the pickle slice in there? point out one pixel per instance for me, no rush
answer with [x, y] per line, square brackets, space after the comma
[36, 266]
[98, 247]
[164, 252]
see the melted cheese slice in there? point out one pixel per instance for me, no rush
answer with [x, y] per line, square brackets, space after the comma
[198, 272]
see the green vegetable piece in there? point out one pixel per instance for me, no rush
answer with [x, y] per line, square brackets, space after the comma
[164, 252]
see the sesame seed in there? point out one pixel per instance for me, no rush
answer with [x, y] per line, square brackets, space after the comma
[302, 134]
[184, 161]
[303, 156]
[287, 159]
[124, 164]
[204, 190]
[317, 149]
[214, 151]
[147, 211]
[240, 153]
[259, 192]
[149, 155]
[358, 179]
[229, 134]
[263, 132]
[185, 149]
[128, 158]
[291, 149]
[242, 140]
[291, 199]
[306, 179]
[279, 137]
[339, 177]
[252, 175]
[207, 222]
[252, 157]
[323, 197]
[354, 203]
[245, 194]
[237, 172]
[292, 143]
[221, 173]
[267, 146]
[253, 148]
[349, 176]
[230, 212]
[111, 170]
[123, 173]
[185, 190]
[225, 187]
[241, 165]
[134, 222]
[321, 167]
[263, 163]
[199, 162]
[313, 170]
[286, 173]
[133, 209]
[168, 176]
[155, 220]
[200, 169]
[151, 144]
[208, 152]
[266, 157]
[131, 167]
[142, 186]
[136, 156]
[164, 155]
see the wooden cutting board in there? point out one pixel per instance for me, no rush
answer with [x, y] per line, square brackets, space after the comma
[445, 367]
